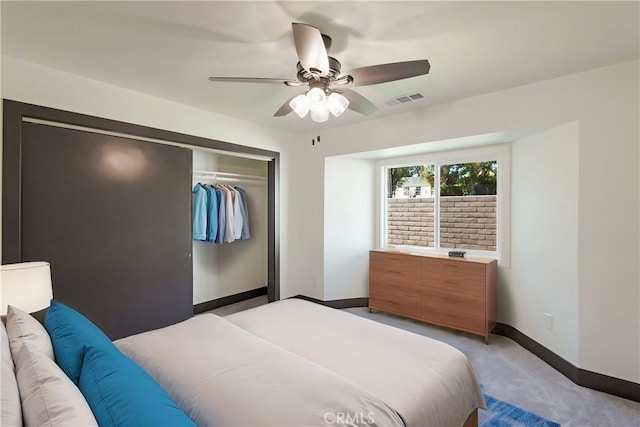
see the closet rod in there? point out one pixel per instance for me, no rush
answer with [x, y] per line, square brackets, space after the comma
[225, 180]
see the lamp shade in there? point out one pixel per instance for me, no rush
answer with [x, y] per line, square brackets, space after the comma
[300, 104]
[321, 115]
[317, 99]
[337, 104]
[25, 285]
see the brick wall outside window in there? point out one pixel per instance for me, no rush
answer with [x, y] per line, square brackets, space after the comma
[466, 222]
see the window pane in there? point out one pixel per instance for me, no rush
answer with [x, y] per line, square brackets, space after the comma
[410, 206]
[468, 205]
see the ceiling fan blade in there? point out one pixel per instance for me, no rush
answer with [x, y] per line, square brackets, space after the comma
[383, 73]
[255, 80]
[310, 48]
[359, 103]
[285, 109]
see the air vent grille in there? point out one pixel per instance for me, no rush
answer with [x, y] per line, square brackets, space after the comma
[404, 99]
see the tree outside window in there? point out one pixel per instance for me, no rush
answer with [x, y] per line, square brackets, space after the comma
[468, 179]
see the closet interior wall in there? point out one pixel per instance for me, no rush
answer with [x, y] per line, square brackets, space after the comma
[222, 270]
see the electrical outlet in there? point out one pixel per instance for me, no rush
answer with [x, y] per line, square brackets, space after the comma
[548, 321]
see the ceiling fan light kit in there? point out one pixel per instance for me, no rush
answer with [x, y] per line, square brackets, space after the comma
[320, 72]
[320, 105]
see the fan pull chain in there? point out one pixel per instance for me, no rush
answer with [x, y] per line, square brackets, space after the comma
[313, 140]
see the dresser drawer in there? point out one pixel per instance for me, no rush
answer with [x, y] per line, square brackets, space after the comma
[453, 267]
[462, 301]
[452, 284]
[441, 272]
[394, 267]
[454, 310]
[395, 298]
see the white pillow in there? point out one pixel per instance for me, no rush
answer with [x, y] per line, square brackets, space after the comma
[21, 328]
[48, 396]
[10, 411]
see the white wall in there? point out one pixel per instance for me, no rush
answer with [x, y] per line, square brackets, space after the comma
[609, 227]
[232, 268]
[304, 221]
[543, 277]
[605, 104]
[349, 230]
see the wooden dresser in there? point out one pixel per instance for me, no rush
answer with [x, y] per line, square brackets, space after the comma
[458, 293]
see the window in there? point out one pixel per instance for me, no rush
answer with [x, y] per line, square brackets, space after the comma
[468, 205]
[410, 220]
[453, 204]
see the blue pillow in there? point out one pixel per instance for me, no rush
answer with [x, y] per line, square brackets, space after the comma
[121, 393]
[70, 331]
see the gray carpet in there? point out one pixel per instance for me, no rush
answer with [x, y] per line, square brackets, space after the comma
[511, 373]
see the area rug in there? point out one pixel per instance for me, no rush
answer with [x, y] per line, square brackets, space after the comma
[503, 414]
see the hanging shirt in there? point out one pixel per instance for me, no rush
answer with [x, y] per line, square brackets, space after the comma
[246, 234]
[238, 217]
[199, 212]
[229, 232]
[222, 215]
[212, 214]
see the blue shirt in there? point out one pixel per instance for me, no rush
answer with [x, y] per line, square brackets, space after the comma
[199, 212]
[222, 216]
[212, 213]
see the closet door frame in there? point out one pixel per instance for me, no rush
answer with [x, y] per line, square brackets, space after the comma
[15, 112]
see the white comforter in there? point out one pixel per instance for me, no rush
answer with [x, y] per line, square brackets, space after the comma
[222, 375]
[428, 382]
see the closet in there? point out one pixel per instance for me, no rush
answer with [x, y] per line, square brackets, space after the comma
[240, 267]
[108, 204]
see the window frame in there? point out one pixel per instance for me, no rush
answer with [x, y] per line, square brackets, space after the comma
[501, 153]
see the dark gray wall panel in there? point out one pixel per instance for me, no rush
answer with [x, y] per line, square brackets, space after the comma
[112, 216]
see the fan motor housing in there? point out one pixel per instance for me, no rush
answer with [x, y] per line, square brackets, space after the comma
[334, 71]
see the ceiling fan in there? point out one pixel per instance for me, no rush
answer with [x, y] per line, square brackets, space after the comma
[328, 88]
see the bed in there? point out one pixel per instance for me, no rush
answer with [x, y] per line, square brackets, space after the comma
[289, 363]
[242, 380]
[428, 382]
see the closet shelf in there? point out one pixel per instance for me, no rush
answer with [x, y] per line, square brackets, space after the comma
[227, 176]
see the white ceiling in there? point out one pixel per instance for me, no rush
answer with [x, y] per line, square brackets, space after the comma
[168, 49]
